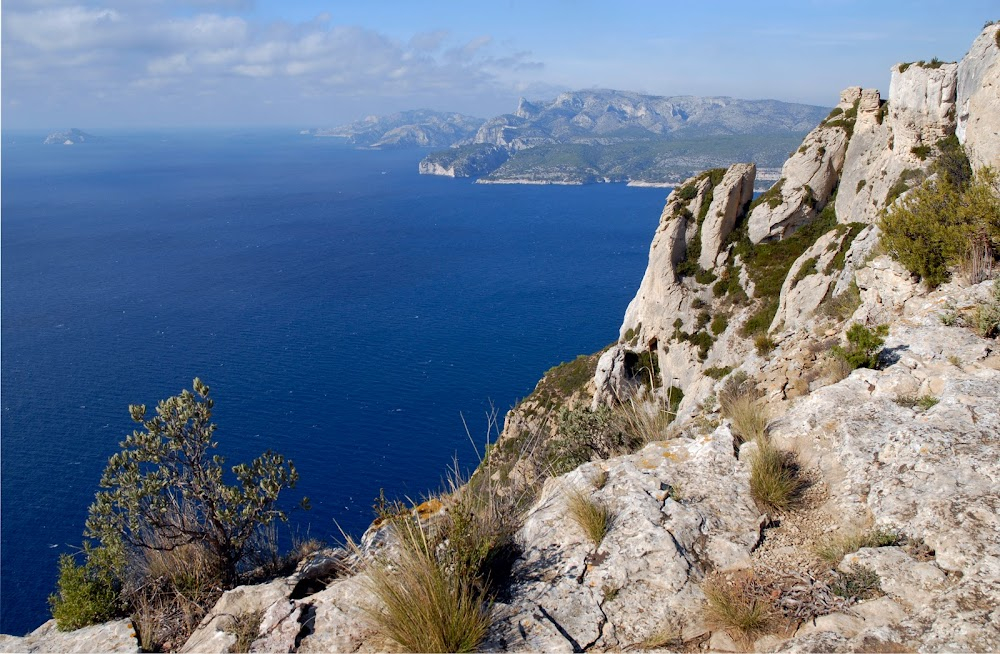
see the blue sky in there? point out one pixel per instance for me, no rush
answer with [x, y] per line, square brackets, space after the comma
[135, 63]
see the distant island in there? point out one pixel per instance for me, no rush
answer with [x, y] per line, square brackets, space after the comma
[596, 136]
[71, 136]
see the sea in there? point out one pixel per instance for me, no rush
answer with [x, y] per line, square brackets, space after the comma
[359, 318]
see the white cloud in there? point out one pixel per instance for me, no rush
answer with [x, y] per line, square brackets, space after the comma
[137, 53]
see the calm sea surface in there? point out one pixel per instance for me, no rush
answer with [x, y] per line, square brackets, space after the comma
[344, 310]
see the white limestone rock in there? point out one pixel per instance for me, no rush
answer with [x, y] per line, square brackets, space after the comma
[679, 508]
[808, 177]
[116, 636]
[729, 199]
[801, 293]
[892, 141]
[975, 82]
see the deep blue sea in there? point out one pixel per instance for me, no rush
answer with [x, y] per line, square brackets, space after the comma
[345, 311]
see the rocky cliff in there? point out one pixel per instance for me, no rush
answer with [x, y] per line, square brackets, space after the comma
[891, 543]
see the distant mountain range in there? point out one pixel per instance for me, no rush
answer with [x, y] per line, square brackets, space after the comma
[406, 129]
[595, 135]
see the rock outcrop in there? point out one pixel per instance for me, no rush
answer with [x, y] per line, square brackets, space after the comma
[978, 125]
[730, 196]
[117, 636]
[809, 176]
[894, 142]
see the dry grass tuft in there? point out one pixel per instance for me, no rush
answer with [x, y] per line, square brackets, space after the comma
[740, 401]
[741, 605]
[593, 517]
[648, 422]
[246, 628]
[425, 604]
[840, 546]
[775, 483]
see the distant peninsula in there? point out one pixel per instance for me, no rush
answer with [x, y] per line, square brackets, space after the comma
[71, 136]
[596, 136]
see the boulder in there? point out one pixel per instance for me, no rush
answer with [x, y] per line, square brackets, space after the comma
[116, 636]
[679, 509]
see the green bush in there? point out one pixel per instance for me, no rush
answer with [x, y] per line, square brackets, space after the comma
[719, 323]
[86, 594]
[165, 490]
[718, 372]
[933, 227]
[863, 346]
[703, 276]
[687, 192]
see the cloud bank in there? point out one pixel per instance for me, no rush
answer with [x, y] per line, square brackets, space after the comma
[142, 63]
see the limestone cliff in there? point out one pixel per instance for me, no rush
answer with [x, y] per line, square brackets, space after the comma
[978, 84]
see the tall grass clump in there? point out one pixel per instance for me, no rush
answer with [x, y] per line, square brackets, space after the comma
[740, 605]
[740, 401]
[424, 604]
[774, 477]
[593, 517]
[647, 421]
[435, 593]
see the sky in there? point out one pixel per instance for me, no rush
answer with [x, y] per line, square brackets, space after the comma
[305, 63]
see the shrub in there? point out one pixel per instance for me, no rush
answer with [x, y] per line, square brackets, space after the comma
[863, 347]
[85, 594]
[687, 192]
[718, 372]
[592, 516]
[933, 228]
[914, 402]
[859, 583]
[861, 185]
[164, 490]
[719, 323]
[703, 276]
[807, 268]
[741, 605]
[774, 478]
[835, 549]
[583, 435]
[764, 344]
[986, 317]
[921, 151]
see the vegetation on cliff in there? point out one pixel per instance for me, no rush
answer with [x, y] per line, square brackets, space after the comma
[950, 219]
[167, 533]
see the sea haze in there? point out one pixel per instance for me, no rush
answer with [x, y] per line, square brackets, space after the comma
[344, 310]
